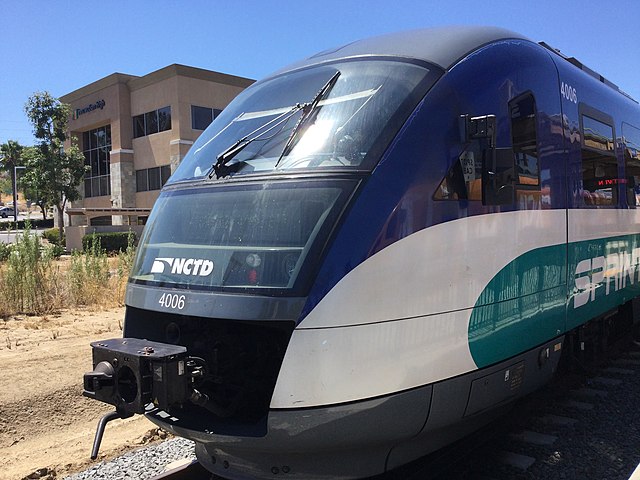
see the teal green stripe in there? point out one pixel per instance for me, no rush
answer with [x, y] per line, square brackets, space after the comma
[522, 306]
[529, 301]
[603, 301]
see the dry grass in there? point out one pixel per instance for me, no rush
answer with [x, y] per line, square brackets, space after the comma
[33, 282]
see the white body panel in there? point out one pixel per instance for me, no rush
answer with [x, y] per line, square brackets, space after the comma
[400, 319]
[335, 365]
[591, 224]
[439, 269]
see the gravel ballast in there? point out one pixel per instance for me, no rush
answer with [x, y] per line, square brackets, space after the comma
[140, 464]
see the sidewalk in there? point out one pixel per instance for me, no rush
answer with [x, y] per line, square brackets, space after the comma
[9, 236]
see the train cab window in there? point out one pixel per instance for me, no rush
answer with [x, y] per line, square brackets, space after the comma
[599, 163]
[525, 142]
[492, 175]
[631, 137]
[464, 179]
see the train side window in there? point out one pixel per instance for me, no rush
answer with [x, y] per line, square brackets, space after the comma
[631, 136]
[525, 142]
[464, 179]
[599, 163]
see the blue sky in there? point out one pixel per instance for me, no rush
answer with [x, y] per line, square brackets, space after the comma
[62, 45]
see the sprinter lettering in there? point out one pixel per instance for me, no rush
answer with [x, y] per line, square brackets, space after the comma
[605, 274]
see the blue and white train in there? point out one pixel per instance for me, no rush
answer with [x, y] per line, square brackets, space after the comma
[370, 251]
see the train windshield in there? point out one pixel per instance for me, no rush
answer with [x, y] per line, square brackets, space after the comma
[254, 237]
[331, 116]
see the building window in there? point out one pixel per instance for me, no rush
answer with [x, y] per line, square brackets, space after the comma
[599, 164]
[164, 119]
[142, 180]
[100, 221]
[201, 117]
[96, 147]
[152, 178]
[152, 122]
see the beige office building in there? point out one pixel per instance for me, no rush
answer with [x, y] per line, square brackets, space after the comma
[134, 131]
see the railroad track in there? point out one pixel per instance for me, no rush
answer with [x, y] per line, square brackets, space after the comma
[565, 429]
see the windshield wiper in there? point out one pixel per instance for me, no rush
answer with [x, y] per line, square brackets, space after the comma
[307, 110]
[221, 167]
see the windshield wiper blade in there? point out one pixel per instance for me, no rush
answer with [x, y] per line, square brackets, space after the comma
[307, 110]
[222, 168]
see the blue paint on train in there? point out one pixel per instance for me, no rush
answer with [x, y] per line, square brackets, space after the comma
[397, 199]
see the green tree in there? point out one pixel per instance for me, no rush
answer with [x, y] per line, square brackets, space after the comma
[11, 156]
[5, 184]
[30, 191]
[52, 171]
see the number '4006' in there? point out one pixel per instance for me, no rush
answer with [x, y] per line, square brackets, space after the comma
[172, 300]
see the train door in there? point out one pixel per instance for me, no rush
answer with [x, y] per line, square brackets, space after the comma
[631, 136]
[523, 116]
[528, 187]
[540, 199]
[593, 214]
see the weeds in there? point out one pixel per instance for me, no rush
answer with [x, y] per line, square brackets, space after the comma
[26, 275]
[5, 251]
[88, 275]
[125, 263]
[34, 282]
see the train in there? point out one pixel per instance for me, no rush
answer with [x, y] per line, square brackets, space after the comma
[371, 252]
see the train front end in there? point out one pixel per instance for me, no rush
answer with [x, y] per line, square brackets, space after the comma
[230, 264]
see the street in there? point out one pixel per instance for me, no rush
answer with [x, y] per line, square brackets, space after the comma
[9, 236]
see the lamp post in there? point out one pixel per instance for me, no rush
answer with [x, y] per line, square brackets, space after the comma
[15, 191]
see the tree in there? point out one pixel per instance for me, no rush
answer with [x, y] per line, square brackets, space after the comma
[30, 191]
[10, 154]
[52, 171]
[6, 186]
[13, 154]
[10, 157]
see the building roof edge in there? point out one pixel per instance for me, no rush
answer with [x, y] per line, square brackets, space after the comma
[176, 69]
[96, 86]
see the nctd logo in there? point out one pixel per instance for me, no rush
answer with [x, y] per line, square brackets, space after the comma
[183, 266]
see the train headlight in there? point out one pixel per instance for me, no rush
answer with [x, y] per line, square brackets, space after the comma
[253, 260]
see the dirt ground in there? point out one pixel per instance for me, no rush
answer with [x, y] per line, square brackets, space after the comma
[46, 425]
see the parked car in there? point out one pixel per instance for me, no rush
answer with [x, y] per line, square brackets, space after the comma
[6, 211]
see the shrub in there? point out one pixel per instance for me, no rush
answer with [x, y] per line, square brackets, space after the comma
[88, 274]
[109, 242]
[33, 282]
[53, 236]
[125, 263]
[30, 223]
[26, 277]
[54, 251]
[5, 251]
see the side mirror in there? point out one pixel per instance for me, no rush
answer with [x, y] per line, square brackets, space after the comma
[475, 128]
[498, 164]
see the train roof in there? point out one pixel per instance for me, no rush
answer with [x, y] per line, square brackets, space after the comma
[439, 46]
[442, 46]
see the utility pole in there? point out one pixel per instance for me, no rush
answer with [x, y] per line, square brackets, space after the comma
[15, 191]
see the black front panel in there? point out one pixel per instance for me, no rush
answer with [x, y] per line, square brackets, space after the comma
[242, 363]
